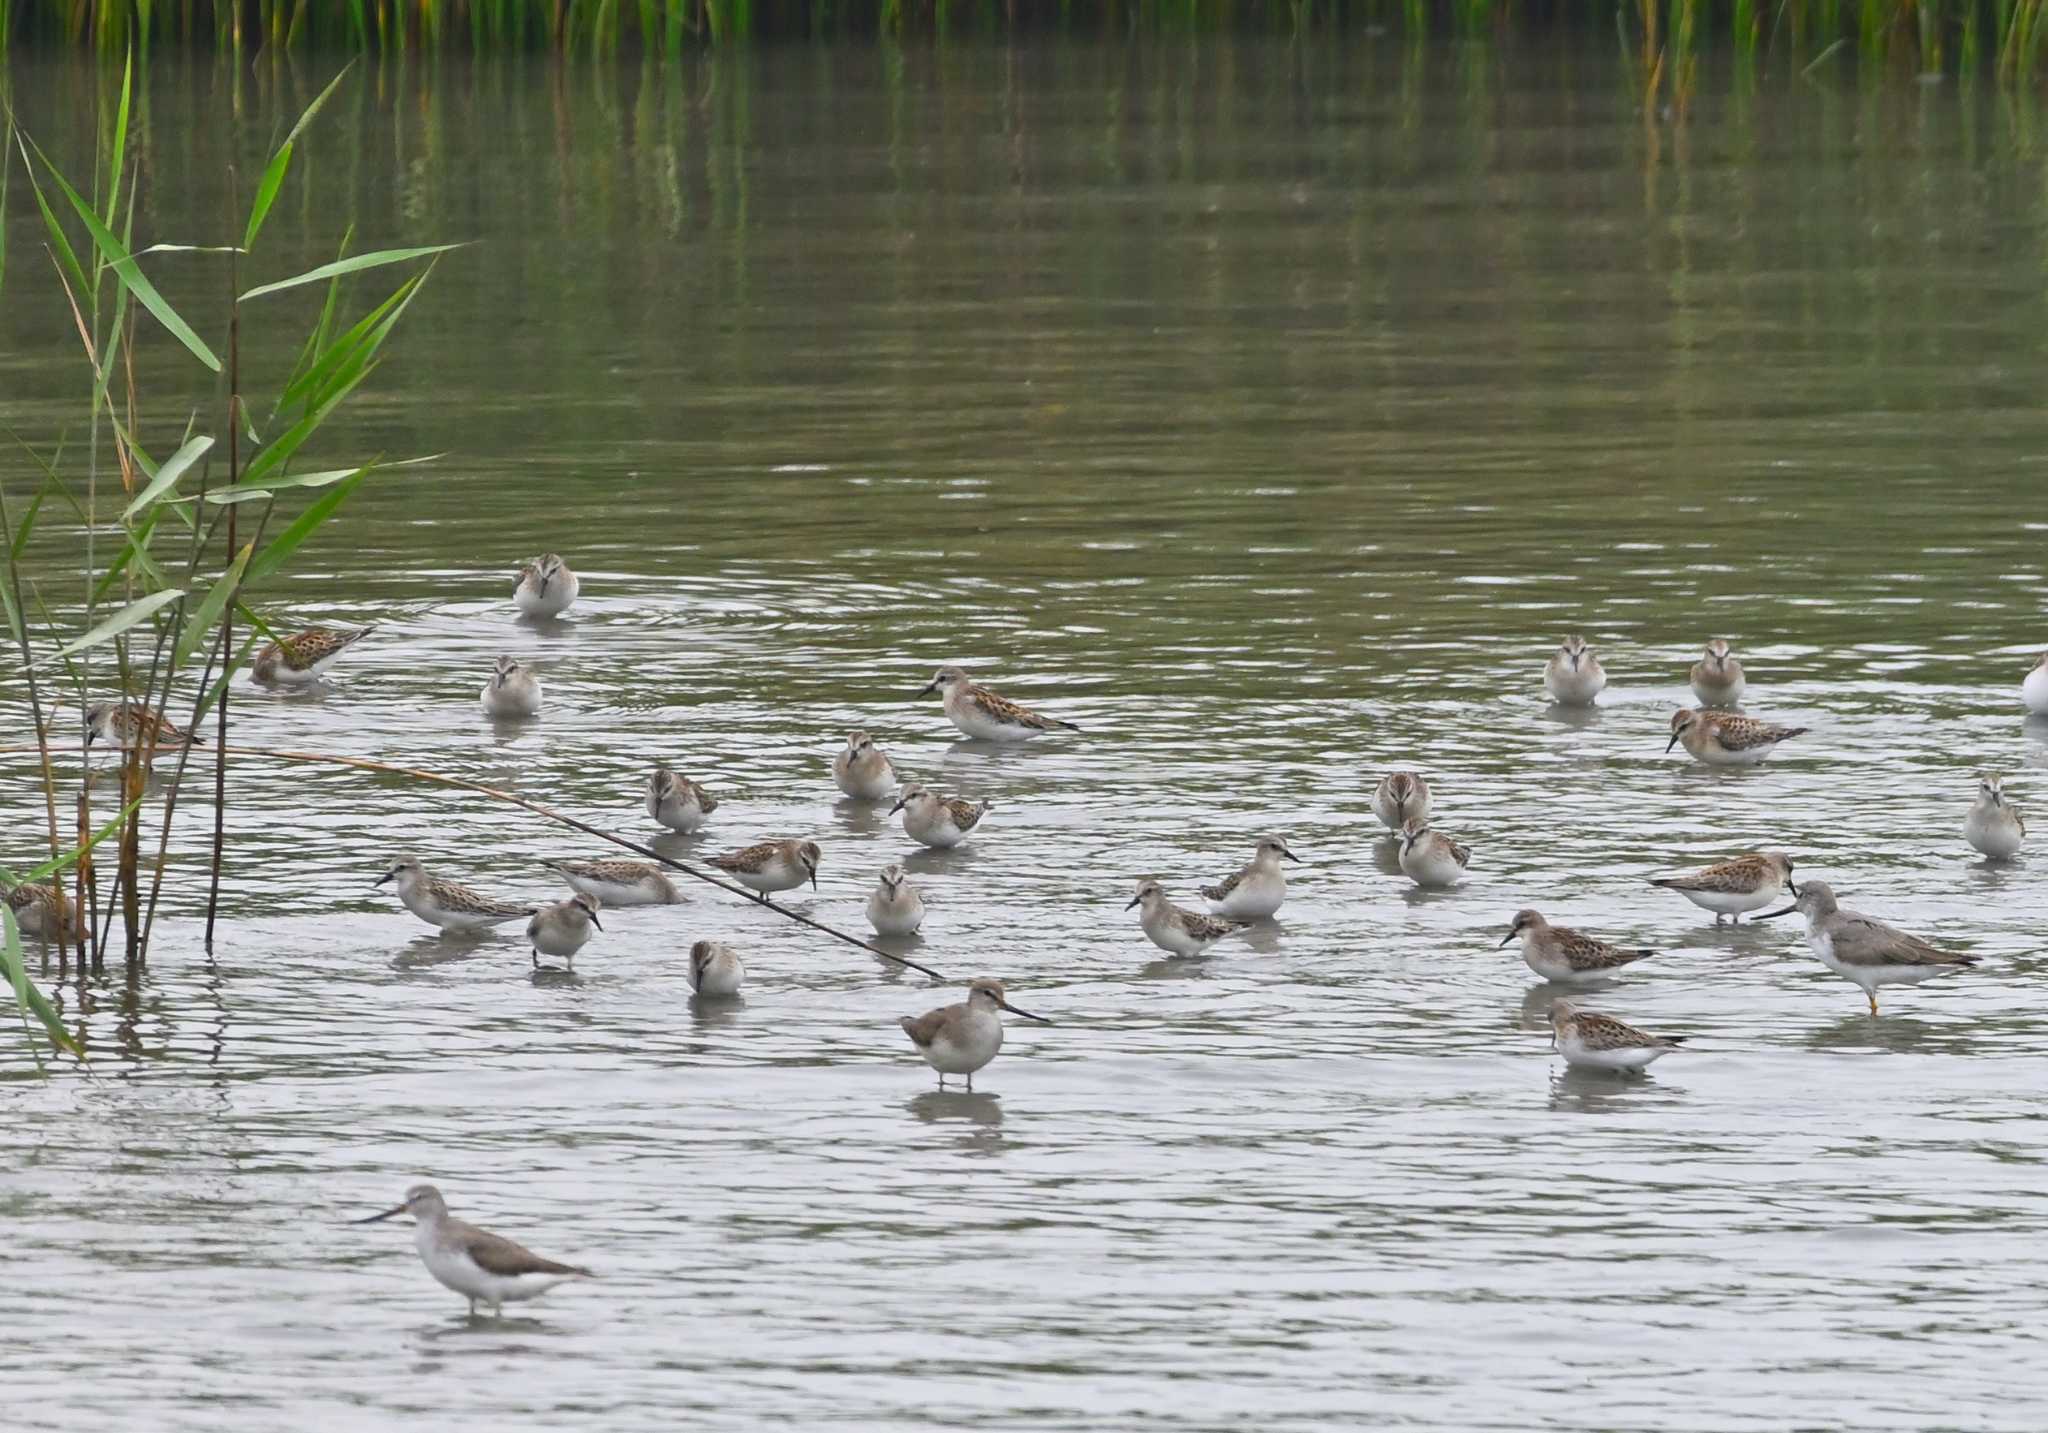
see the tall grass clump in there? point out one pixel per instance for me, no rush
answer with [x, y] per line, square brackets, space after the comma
[170, 530]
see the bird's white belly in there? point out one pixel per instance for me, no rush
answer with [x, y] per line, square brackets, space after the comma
[2034, 691]
[899, 917]
[1559, 970]
[1574, 688]
[937, 831]
[1633, 1058]
[1717, 694]
[616, 893]
[1434, 868]
[1174, 938]
[983, 727]
[1255, 898]
[871, 784]
[976, 1044]
[683, 816]
[718, 979]
[560, 592]
[1992, 837]
[1730, 903]
[1715, 754]
[511, 701]
[775, 876]
[434, 913]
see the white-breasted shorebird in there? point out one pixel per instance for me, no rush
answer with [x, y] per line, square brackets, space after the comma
[895, 907]
[1401, 797]
[937, 821]
[715, 970]
[449, 904]
[484, 1268]
[300, 659]
[545, 587]
[1717, 678]
[960, 1039]
[512, 691]
[862, 771]
[1732, 889]
[127, 725]
[1574, 676]
[1560, 953]
[770, 866]
[1176, 931]
[560, 929]
[2034, 690]
[677, 802]
[1993, 824]
[1256, 889]
[1430, 858]
[1727, 738]
[619, 882]
[985, 715]
[1863, 950]
[1590, 1040]
[43, 912]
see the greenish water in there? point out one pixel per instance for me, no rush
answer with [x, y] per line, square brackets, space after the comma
[1270, 412]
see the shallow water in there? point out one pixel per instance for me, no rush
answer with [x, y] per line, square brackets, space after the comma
[1270, 414]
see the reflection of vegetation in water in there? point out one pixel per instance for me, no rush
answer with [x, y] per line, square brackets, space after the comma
[1665, 33]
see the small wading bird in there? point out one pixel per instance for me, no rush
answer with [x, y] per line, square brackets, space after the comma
[300, 659]
[937, 821]
[43, 912]
[559, 930]
[512, 691]
[1732, 889]
[1430, 858]
[1993, 824]
[2034, 690]
[1726, 739]
[677, 802]
[1601, 1042]
[1399, 799]
[960, 1039]
[484, 1268]
[1574, 676]
[862, 771]
[1178, 932]
[895, 907]
[1717, 677]
[619, 882]
[715, 970]
[448, 904]
[1255, 890]
[770, 866]
[1863, 950]
[545, 587]
[984, 715]
[1560, 953]
[126, 725]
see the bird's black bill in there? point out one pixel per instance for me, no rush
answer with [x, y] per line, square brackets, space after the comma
[929, 690]
[383, 878]
[1507, 939]
[1025, 1013]
[1773, 915]
[380, 1218]
[1290, 856]
[1134, 900]
[1671, 743]
[595, 921]
[894, 809]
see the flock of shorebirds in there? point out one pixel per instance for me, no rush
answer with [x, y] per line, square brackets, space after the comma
[960, 1039]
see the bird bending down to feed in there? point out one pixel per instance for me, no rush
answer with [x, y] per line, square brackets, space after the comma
[862, 771]
[300, 659]
[619, 882]
[983, 714]
[1560, 953]
[1717, 677]
[1601, 1042]
[1726, 738]
[1732, 889]
[512, 691]
[545, 587]
[1864, 950]
[1574, 676]
[960, 1039]
[559, 930]
[675, 801]
[1176, 931]
[937, 821]
[43, 912]
[448, 904]
[1256, 889]
[1400, 798]
[1430, 858]
[484, 1268]
[715, 970]
[770, 866]
[127, 725]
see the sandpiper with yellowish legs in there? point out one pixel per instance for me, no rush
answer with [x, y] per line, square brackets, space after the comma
[1864, 950]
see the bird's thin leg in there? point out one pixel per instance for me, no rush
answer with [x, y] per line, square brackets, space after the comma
[970, 1084]
[472, 1308]
[536, 957]
[1872, 993]
[1717, 918]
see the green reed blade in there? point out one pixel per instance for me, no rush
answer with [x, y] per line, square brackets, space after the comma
[136, 611]
[174, 468]
[304, 526]
[29, 999]
[350, 265]
[200, 624]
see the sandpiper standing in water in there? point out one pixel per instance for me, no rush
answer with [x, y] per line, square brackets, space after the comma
[770, 866]
[960, 1039]
[513, 691]
[545, 587]
[43, 912]
[861, 769]
[984, 715]
[1717, 677]
[484, 1268]
[1562, 954]
[300, 659]
[1601, 1042]
[1178, 932]
[1255, 890]
[1574, 675]
[1732, 889]
[1430, 858]
[1400, 798]
[126, 725]
[1725, 738]
[448, 904]
[1993, 824]
[619, 882]
[895, 907]
[715, 970]
[1864, 950]
[937, 821]
[559, 930]
[678, 802]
